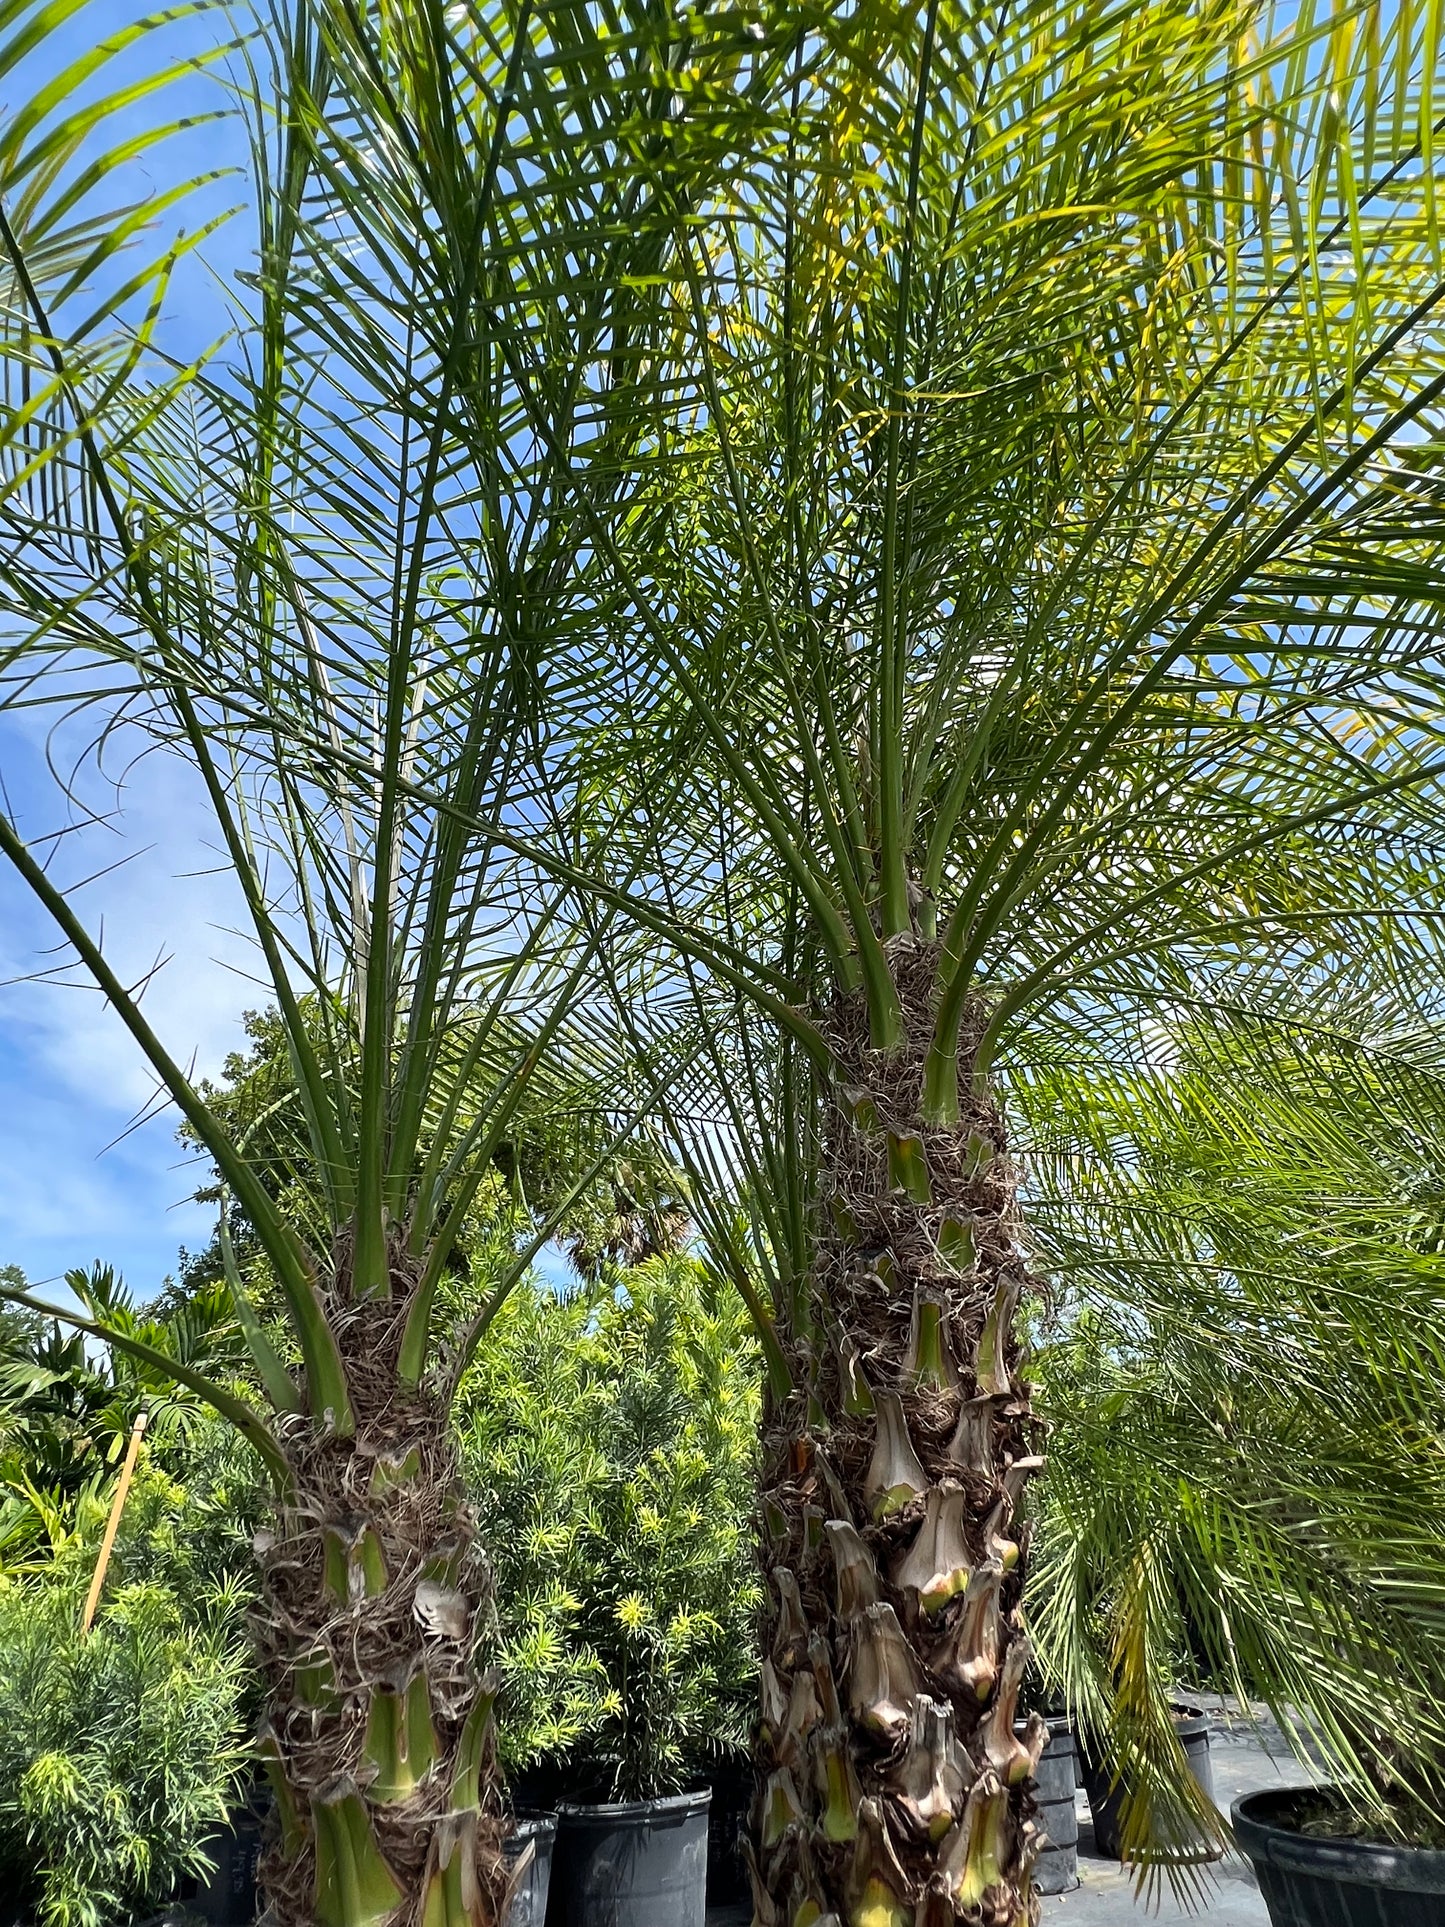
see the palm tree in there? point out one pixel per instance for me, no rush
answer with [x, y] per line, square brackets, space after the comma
[336, 570]
[1243, 1386]
[1035, 580]
[956, 548]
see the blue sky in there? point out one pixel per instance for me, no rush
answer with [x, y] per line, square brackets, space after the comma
[79, 1180]
[71, 1082]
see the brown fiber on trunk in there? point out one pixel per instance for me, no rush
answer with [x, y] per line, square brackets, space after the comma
[893, 1791]
[374, 1593]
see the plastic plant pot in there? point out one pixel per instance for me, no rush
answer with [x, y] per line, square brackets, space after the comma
[1106, 1796]
[227, 1895]
[1056, 1871]
[640, 1864]
[1312, 1880]
[732, 1783]
[529, 1899]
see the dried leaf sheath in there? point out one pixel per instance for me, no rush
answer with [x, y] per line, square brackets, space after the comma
[910, 1804]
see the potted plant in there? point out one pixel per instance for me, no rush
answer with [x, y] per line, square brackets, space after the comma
[1319, 1856]
[1244, 1485]
[1111, 1791]
[416, 657]
[938, 668]
[608, 1438]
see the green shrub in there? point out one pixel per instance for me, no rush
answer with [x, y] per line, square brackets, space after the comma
[120, 1751]
[609, 1443]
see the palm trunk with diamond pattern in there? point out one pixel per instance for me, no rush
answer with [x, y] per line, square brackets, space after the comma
[894, 1776]
[380, 1739]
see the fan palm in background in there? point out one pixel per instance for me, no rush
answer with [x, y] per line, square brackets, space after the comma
[65, 1415]
[337, 570]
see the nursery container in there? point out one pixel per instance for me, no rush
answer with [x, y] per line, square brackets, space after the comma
[529, 1902]
[1106, 1798]
[640, 1864]
[732, 1782]
[226, 1897]
[1056, 1871]
[1309, 1880]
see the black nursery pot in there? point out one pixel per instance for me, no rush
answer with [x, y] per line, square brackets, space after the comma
[732, 1782]
[227, 1895]
[1313, 1881]
[1056, 1871]
[642, 1864]
[529, 1902]
[1106, 1798]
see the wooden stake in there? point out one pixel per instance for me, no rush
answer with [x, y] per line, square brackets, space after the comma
[117, 1506]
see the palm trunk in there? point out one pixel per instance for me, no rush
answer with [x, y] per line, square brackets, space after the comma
[893, 1790]
[380, 1741]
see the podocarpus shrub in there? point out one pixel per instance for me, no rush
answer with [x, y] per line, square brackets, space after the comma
[121, 1750]
[608, 1440]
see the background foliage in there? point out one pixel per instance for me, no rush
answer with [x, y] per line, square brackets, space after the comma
[121, 1750]
[608, 1442]
[1246, 1485]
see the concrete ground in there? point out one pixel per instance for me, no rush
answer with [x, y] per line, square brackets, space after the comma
[1244, 1758]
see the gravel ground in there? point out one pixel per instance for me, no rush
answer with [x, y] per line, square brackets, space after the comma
[1244, 1758]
